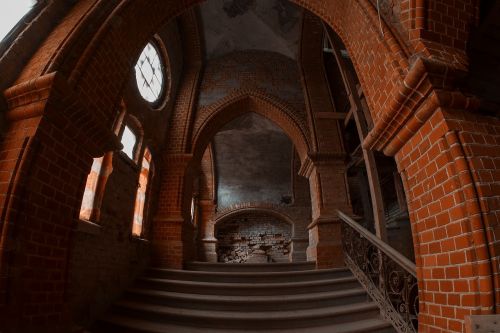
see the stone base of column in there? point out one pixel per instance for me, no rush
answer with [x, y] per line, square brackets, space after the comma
[208, 250]
[325, 243]
[298, 249]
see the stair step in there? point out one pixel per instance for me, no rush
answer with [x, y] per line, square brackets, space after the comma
[255, 319]
[123, 324]
[249, 277]
[248, 303]
[270, 267]
[242, 289]
[231, 298]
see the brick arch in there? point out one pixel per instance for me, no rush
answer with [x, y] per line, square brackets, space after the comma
[242, 102]
[97, 37]
[244, 208]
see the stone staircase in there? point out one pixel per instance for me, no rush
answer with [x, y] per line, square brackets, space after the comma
[278, 297]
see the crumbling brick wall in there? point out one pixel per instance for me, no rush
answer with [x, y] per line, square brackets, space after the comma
[253, 237]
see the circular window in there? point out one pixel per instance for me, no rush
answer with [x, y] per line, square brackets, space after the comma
[149, 74]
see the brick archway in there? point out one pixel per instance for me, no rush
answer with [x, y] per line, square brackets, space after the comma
[242, 102]
[118, 33]
[77, 76]
[252, 207]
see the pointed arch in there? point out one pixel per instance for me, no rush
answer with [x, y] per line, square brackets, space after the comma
[240, 103]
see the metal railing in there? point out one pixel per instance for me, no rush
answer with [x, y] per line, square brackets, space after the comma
[388, 276]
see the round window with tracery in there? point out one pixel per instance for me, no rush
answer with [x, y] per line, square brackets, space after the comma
[149, 74]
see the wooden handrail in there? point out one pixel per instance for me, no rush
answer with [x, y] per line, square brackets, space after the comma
[404, 262]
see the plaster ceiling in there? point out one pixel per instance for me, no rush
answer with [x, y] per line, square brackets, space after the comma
[253, 160]
[235, 25]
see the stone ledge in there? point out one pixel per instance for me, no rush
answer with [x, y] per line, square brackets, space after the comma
[88, 227]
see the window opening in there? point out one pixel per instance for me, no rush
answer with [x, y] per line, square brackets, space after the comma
[88, 202]
[129, 141]
[149, 74]
[140, 200]
[12, 12]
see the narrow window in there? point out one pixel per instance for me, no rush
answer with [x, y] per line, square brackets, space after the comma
[88, 202]
[12, 12]
[192, 209]
[129, 140]
[140, 200]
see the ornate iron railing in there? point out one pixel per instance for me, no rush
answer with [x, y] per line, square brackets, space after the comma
[389, 277]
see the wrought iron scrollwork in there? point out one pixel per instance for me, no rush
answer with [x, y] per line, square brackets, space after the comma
[392, 286]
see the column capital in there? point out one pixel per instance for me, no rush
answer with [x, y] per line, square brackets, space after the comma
[52, 97]
[316, 158]
[426, 87]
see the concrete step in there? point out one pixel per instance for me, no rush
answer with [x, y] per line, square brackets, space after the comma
[271, 267]
[255, 319]
[248, 303]
[231, 298]
[247, 277]
[248, 289]
[124, 324]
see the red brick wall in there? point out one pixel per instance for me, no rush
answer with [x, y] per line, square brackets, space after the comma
[95, 47]
[451, 176]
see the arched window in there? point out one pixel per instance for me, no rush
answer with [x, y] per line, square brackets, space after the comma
[12, 12]
[102, 167]
[131, 138]
[142, 190]
[129, 142]
[149, 73]
[90, 189]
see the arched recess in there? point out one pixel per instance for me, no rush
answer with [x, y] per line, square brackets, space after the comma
[223, 112]
[243, 102]
[256, 215]
[253, 207]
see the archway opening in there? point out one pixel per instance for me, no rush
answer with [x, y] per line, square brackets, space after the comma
[250, 162]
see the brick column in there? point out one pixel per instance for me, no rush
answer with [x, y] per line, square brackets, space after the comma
[173, 232]
[207, 243]
[451, 172]
[46, 154]
[326, 175]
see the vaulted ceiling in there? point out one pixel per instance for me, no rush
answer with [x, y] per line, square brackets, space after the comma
[235, 25]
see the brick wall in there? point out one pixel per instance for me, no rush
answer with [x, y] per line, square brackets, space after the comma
[58, 121]
[253, 237]
[451, 173]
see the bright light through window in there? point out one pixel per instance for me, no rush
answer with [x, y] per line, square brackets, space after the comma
[128, 141]
[149, 74]
[192, 209]
[11, 11]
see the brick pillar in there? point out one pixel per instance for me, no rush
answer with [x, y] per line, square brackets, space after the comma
[173, 232]
[298, 249]
[451, 173]
[46, 155]
[326, 175]
[207, 243]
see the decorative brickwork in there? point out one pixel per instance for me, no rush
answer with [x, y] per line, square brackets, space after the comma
[60, 101]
